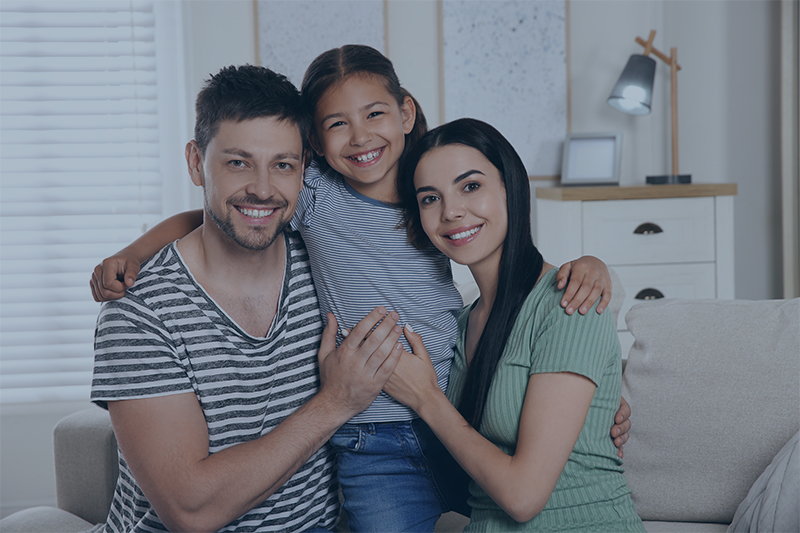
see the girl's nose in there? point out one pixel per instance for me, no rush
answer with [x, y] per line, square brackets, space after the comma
[361, 135]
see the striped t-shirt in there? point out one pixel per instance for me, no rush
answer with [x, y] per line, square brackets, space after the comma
[167, 336]
[361, 258]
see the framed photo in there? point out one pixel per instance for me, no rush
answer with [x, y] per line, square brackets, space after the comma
[591, 159]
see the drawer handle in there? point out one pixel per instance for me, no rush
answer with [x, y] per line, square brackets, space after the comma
[649, 294]
[648, 228]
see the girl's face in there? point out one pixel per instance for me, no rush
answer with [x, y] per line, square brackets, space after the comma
[360, 130]
[462, 204]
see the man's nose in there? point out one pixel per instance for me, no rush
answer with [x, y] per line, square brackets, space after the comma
[261, 184]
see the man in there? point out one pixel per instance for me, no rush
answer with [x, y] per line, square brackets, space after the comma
[208, 364]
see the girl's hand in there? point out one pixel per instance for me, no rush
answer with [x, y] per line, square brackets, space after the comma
[588, 280]
[113, 276]
[414, 380]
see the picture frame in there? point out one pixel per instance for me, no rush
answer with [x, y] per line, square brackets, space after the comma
[591, 159]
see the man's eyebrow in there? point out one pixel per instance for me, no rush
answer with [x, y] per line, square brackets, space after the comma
[287, 155]
[237, 151]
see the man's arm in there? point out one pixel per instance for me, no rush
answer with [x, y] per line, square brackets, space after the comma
[165, 440]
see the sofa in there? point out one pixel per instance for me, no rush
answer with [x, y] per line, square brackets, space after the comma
[714, 387]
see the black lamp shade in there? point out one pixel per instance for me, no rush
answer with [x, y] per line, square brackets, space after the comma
[634, 90]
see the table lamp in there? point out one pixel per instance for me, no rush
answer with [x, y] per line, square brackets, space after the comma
[634, 90]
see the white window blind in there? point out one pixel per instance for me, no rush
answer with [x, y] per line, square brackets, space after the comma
[86, 119]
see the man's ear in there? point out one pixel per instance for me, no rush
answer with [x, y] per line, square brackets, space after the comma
[409, 111]
[194, 160]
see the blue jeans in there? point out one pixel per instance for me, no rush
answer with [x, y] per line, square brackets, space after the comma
[386, 478]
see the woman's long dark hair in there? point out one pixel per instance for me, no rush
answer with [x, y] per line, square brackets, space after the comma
[520, 262]
[338, 64]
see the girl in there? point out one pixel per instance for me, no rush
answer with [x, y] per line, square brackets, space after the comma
[539, 387]
[349, 216]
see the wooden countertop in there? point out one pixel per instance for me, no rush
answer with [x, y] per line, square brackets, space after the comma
[567, 194]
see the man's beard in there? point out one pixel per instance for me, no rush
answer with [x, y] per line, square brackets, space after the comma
[258, 238]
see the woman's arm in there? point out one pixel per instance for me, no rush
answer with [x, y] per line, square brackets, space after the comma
[115, 274]
[586, 279]
[553, 415]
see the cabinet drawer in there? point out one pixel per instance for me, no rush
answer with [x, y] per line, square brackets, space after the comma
[693, 281]
[637, 232]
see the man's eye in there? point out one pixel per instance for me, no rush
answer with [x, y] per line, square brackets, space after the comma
[284, 166]
[238, 163]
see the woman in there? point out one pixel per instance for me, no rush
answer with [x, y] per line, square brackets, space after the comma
[539, 386]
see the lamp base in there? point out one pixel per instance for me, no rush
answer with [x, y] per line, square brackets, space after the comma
[669, 179]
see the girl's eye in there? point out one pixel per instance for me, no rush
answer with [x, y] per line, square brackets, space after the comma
[335, 124]
[375, 114]
[428, 200]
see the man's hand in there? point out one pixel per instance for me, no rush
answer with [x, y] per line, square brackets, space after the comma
[622, 425]
[354, 373]
[113, 277]
[588, 279]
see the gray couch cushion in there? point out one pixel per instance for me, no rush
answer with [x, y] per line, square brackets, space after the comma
[44, 520]
[714, 390]
[773, 503]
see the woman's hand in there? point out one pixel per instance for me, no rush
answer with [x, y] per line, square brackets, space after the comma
[414, 380]
[114, 276]
[588, 279]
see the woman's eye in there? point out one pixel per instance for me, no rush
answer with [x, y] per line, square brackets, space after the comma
[472, 186]
[427, 200]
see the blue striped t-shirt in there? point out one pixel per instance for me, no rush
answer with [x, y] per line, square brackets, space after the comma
[361, 258]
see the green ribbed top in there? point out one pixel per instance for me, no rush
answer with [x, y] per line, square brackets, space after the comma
[591, 494]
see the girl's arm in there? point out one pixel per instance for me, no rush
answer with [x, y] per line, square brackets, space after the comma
[553, 415]
[588, 280]
[115, 274]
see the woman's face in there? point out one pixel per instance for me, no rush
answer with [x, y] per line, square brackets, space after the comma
[462, 204]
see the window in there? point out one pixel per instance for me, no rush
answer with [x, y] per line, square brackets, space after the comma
[91, 99]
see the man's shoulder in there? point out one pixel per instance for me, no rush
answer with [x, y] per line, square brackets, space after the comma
[161, 274]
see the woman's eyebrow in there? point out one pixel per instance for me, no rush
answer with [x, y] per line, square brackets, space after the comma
[465, 175]
[427, 188]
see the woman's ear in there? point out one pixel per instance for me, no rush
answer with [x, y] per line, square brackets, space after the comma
[194, 160]
[409, 112]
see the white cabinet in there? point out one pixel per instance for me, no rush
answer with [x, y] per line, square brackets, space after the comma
[669, 241]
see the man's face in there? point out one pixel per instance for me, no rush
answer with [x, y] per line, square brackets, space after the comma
[251, 173]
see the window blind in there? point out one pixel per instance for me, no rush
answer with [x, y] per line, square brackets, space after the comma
[81, 176]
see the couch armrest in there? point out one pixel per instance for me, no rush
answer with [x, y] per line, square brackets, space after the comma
[87, 464]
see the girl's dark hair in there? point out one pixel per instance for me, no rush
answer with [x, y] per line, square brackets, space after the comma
[520, 262]
[338, 64]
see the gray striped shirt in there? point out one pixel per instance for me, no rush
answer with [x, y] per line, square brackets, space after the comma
[361, 259]
[167, 336]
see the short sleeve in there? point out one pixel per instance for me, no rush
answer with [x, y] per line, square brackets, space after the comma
[314, 181]
[135, 357]
[581, 344]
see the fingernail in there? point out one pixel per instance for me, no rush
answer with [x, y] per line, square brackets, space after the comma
[570, 310]
[564, 303]
[408, 326]
[344, 332]
[398, 329]
[394, 315]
